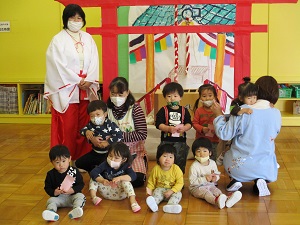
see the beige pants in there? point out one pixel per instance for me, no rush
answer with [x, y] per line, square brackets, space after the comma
[123, 190]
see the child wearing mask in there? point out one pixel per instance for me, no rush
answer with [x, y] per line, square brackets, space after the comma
[99, 127]
[204, 174]
[113, 177]
[174, 120]
[130, 117]
[204, 117]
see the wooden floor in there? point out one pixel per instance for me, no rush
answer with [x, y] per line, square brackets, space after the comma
[24, 163]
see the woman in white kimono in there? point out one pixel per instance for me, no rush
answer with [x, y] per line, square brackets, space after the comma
[252, 154]
[71, 81]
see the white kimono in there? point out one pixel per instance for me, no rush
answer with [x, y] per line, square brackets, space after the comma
[63, 69]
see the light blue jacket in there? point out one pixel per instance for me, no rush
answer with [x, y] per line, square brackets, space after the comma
[252, 153]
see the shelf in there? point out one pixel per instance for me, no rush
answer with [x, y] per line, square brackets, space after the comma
[285, 105]
[17, 97]
[32, 119]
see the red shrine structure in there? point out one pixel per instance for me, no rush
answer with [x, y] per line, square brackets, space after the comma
[110, 30]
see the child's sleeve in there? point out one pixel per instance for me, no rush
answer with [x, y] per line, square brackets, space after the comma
[235, 109]
[115, 132]
[130, 172]
[196, 121]
[178, 179]
[151, 184]
[187, 117]
[83, 130]
[215, 169]
[79, 184]
[160, 118]
[49, 189]
[97, 171]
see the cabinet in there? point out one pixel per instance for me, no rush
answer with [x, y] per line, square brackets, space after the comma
[15, 95]
[22, 102]
[188, 100]
[285, 105]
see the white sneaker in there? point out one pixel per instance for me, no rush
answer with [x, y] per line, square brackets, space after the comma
[221, 201]
[152, 204]
[234, 185]
[76, 213]
[50, 215]
[172, 208]
[233, 198]
[262, 187]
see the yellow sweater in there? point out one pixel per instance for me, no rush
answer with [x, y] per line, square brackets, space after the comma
[172, 178]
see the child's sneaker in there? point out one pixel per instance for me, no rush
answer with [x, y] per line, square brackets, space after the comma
[96, 200]
[172, 208]
[262, 187]
[50, 215]
[233, 198]
[219, 160]
[76, 213]
[221, 201]
[234, 185]
[152, 204]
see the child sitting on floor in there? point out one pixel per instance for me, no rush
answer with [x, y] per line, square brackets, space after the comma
[113, 177]
[203, 175]
[165, 181]
[63, 184]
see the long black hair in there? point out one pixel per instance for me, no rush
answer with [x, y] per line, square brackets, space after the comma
[122, 85]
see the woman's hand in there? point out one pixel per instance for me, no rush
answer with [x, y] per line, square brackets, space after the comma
[89, 134]
[84, 85]
[96, 141]
[216, 109]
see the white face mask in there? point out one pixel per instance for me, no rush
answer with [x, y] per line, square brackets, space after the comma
[113, 164]
[208, 103]
[118, 101]
[98, 120]
[202, 159]
[74, 26]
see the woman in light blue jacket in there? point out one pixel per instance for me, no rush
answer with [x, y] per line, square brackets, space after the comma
[252, 154]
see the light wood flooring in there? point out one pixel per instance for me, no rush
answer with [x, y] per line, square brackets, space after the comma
[24, 163]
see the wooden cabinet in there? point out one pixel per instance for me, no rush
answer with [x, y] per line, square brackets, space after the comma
[23, 102]
[285, 105]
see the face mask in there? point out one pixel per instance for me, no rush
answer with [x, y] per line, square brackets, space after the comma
[118, 101]
[208, 103]
[74, 26]
[202, 159]
[113, 164]
[98, 120]
[173, 104]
